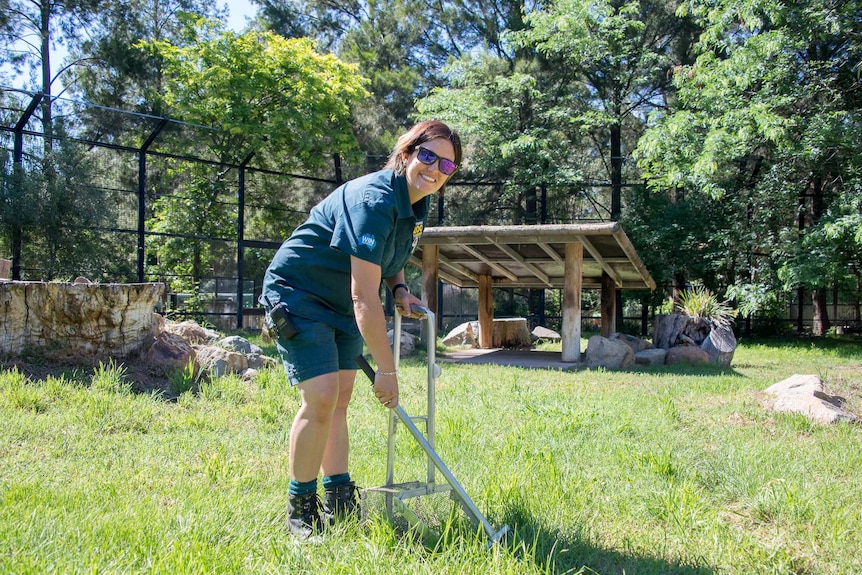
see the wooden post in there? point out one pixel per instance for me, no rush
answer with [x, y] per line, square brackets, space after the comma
[608, 305]
[486, 311]
[430, 276]
[571, 335]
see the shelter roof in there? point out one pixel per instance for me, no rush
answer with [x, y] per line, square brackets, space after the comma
[533, 256]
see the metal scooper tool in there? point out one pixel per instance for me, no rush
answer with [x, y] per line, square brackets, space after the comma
[397, 495]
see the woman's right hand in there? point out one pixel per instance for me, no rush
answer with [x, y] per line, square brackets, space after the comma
[386, 389]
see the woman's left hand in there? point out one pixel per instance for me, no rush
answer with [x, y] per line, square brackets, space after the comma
[404, 301]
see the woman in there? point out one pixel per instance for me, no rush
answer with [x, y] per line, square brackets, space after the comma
[328, 276]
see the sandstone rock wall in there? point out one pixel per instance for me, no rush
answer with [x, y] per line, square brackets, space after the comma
[77, 319]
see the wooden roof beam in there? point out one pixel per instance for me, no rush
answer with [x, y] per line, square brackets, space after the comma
[512, 253]
[588, 245]
[480, 256]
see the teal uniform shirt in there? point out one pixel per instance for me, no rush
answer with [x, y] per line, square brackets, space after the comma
[370, 218]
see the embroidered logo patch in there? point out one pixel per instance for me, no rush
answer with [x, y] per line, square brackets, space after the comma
[417, 233]
[368, 241]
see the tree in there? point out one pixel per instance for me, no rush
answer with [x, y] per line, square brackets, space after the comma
[31, 28]
[261, 94]
[112, 71]
[401, 46]
[52, 205]
[768, 117]
[613, 56]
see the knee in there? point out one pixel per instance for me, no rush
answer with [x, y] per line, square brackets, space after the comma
[320, 407]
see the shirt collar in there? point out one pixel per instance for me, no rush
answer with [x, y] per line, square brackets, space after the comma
[402, 198]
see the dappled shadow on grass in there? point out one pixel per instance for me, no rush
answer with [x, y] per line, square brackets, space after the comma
[575, 553]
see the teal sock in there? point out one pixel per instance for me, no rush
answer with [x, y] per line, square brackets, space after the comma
[335, 480]
[302, 488]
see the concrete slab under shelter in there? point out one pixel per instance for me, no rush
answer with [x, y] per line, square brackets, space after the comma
[526, 358]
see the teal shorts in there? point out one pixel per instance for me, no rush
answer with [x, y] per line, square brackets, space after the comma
[317, 349]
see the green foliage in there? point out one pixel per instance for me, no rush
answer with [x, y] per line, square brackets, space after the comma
[767, 119]
[266, 94]
[700, 303]
[52, 208]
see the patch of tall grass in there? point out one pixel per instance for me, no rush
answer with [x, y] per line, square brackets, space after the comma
[648, 471]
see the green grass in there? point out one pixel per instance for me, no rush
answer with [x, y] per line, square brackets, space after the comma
[649, 471]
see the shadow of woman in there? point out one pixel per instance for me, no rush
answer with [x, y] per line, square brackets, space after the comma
[575, 554]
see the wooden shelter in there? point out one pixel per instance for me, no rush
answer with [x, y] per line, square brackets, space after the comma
[562, 256]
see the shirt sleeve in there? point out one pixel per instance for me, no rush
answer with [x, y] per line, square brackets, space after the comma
[366, 221]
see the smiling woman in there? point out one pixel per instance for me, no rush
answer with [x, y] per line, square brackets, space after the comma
[326, 277]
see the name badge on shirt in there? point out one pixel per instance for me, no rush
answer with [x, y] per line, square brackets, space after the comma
[417, 233]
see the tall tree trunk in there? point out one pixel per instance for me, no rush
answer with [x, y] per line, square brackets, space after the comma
[616, 171]
[45, 32]
[820, 322]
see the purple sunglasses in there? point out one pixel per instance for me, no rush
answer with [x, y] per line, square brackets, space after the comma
[427, 157]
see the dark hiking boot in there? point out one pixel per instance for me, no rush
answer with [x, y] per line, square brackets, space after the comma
[303, 515]
[340, 501]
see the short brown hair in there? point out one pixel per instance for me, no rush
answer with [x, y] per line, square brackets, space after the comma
[418, 135]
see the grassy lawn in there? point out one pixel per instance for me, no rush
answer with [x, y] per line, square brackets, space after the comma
[648, 471]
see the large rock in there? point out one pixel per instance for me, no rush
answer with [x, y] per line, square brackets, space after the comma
[686, 354]
[637, 344]
[805, 394]
[541, 332]
[677, 329]
[78, 320]
[217, 361]
[654, 356]
[608, 353]
[193, 333]
[170, 352]
[466, 334]
[407, 343]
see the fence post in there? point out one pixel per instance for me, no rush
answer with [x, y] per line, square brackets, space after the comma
[142, 195]
[17, 168]
[240, 239]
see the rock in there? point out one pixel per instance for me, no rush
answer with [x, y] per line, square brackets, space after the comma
[667, 328]
[674, 329]
[259, 361]
[686, 354]
[796, 384]
[192, 332]
[462, 335]
[607, 353]
[170, 352]
[696, 330]
[804, 394]
[66, 320]
[408, 342]
[654, 356]
[217, 361]
[540, 332]
[239, 344]
[637, 344]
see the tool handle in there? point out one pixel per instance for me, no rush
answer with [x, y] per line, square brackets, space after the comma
[366, 367]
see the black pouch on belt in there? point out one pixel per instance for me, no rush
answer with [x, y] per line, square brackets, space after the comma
[279, 324]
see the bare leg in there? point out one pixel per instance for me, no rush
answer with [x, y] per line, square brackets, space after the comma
[335, 455]
[309, 433]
